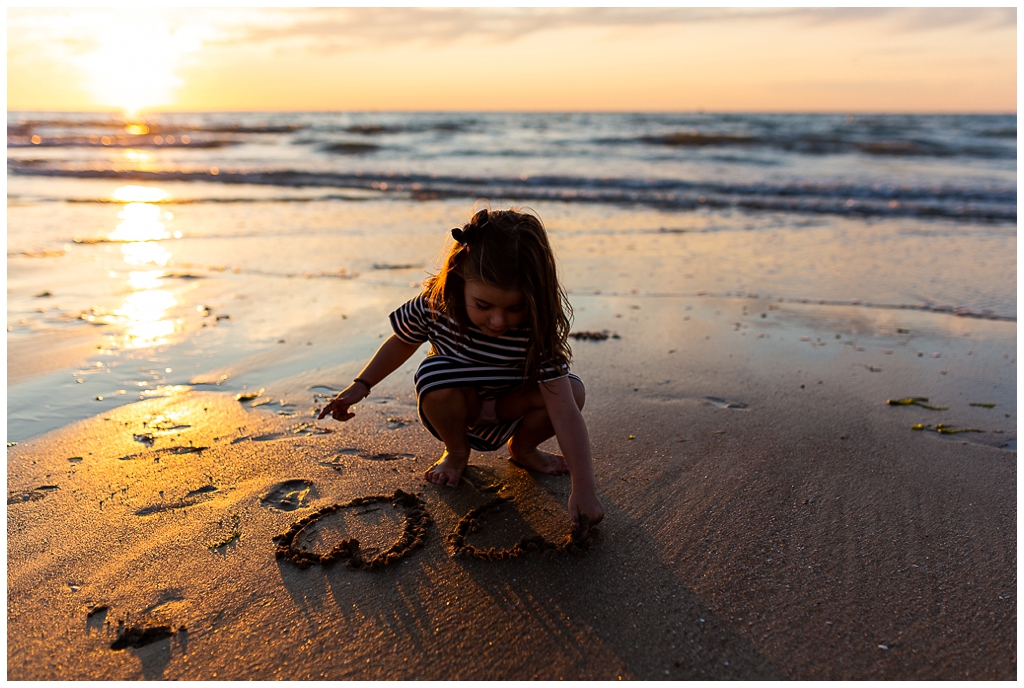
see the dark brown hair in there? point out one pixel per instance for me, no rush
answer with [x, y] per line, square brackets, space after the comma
[507, 249]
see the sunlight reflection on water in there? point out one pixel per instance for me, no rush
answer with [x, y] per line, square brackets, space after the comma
[144, 311]
[145, 253]
[145, 279]
[141, 222]
[139, 194]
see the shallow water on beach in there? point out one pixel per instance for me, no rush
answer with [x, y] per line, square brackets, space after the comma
[269, 248]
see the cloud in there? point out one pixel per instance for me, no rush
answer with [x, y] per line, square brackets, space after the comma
[350, 26]
[63, 33]
[330, 29]
[916, 19]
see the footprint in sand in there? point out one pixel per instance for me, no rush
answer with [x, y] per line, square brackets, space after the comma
[289, 495]
[387, 456]
[334, 463]
[160, 508]
[96, 617]
[140, 636]
[302, 430]
[190, 449]
[176, 451]
[338, 464]
[726, 404]
[262, 438]
[19, 496]
[164, 425]
[199, 492]
[310, 429]
[191, 498]
[483, 480]
[169, 599]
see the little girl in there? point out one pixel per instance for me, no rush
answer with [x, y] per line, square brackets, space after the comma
[498, 367]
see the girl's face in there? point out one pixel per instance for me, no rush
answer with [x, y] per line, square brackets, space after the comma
[495, 311]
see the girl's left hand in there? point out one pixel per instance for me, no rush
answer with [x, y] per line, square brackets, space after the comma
[585, 505]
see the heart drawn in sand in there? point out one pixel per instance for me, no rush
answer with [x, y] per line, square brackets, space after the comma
[415, 531]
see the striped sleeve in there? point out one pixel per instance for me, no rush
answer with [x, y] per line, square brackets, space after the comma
[552, 371]
[411, 321]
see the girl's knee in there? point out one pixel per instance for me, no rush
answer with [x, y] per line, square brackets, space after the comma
[448, 394]
[441, 396]
[452, 398]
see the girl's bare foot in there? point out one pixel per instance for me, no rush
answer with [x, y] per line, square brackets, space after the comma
[448, 469]
[538, 460]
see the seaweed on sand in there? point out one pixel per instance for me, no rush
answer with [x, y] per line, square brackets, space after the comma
[593, 336]
[944, 429]
[915, 401]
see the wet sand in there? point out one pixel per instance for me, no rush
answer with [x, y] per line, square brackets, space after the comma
[768, 516]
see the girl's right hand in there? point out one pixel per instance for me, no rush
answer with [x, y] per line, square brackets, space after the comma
[338, 408]
[588, 505]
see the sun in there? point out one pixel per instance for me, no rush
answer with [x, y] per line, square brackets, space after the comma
[135, 63]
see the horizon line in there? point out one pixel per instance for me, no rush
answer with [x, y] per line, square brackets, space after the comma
[701, 111]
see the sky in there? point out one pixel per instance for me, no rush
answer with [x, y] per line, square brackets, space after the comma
[513, 59]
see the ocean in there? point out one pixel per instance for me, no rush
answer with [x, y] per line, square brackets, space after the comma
[172, 251]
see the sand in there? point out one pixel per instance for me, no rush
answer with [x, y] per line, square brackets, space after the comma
[768, 516]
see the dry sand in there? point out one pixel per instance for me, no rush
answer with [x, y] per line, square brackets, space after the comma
[793, 526]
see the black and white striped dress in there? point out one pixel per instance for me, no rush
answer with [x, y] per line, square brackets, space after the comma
[493, 366]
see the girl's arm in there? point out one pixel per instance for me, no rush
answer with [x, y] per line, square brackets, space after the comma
[391, 354]
[574, 441]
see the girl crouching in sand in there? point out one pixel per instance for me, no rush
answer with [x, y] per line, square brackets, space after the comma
[498, 367]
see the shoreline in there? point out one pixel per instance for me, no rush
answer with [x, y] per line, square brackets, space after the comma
[53, 353]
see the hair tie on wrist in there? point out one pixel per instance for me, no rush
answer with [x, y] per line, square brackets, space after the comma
[365, 384]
